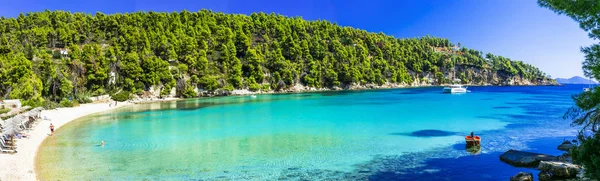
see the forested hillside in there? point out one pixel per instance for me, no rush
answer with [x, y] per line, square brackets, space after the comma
[53, 55]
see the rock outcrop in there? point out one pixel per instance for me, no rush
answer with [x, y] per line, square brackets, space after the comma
[566, 146]
[559, 170]
[544, 175]
[522, 176]
[565, 157]
[524, 159]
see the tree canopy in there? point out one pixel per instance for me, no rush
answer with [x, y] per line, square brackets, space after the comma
[586, 112]
[56, 54]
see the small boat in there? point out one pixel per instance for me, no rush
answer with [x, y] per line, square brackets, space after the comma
[473, 141]
[253, 96]
[586, 89]
[455, 88]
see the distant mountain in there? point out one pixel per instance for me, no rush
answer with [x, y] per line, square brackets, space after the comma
[575, 80]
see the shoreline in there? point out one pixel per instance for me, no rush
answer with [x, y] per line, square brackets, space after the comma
[302, 89]
[21, 165]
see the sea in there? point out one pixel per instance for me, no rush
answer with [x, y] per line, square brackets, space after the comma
[388, 134]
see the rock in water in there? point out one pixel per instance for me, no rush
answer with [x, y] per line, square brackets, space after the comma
[522, 176]
[524, 159]
[543, 176]
[559, 169]
[566, 146]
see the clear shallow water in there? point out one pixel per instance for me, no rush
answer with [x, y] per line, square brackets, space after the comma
[352, 135]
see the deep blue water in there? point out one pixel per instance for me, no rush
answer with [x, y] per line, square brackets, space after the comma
[395, 134]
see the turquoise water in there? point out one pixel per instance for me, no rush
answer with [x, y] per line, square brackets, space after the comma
[351, 135]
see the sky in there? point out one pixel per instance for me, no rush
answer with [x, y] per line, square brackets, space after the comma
[517, 29]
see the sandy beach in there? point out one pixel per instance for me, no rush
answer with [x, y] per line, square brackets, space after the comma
[20, 166]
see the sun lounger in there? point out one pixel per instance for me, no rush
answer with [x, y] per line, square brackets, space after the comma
[6, 139]
[3, 145]
[7, 150]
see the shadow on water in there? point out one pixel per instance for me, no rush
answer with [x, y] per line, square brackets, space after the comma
[471, 167]
[427, 133]
[484, 166]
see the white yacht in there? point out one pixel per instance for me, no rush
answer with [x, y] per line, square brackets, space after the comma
[586, 89]
[455, 88]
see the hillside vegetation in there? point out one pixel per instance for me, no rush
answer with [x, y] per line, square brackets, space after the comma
[53, 55]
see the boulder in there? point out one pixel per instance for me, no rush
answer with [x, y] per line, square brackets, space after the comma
[524, 159]
[544, 176]
[559, 169]
[566, 146]
[522, 176]
[565, 157]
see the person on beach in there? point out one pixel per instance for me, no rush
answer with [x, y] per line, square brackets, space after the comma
[52, 129]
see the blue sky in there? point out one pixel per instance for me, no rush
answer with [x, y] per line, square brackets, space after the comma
[517, 29]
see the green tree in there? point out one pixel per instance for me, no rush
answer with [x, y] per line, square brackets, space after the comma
[586, 111]
[211, 51]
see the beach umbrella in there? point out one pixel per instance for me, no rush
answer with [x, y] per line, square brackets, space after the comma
[15, 124]
[10, 131]
[34, 112]
[9, 128]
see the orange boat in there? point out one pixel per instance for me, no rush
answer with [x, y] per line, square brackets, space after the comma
[473, 141]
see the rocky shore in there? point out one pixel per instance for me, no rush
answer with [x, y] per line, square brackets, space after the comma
[551, 167]
[299, 88]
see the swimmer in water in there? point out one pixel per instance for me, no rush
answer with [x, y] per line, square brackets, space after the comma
[102, 143]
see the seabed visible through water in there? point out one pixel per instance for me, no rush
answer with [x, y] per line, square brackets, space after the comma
[404, 134]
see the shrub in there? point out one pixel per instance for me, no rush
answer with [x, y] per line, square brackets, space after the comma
[75, 104]
[166, 90]
[588, 154]
[82, 97]
[189, 92]
[254, 87]
[35, 101]
[209, 83]
[50, 105]
[121, 96]
[265, 87]
[99, 92]
[4, 110]
[65, 103]
[228, 88]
